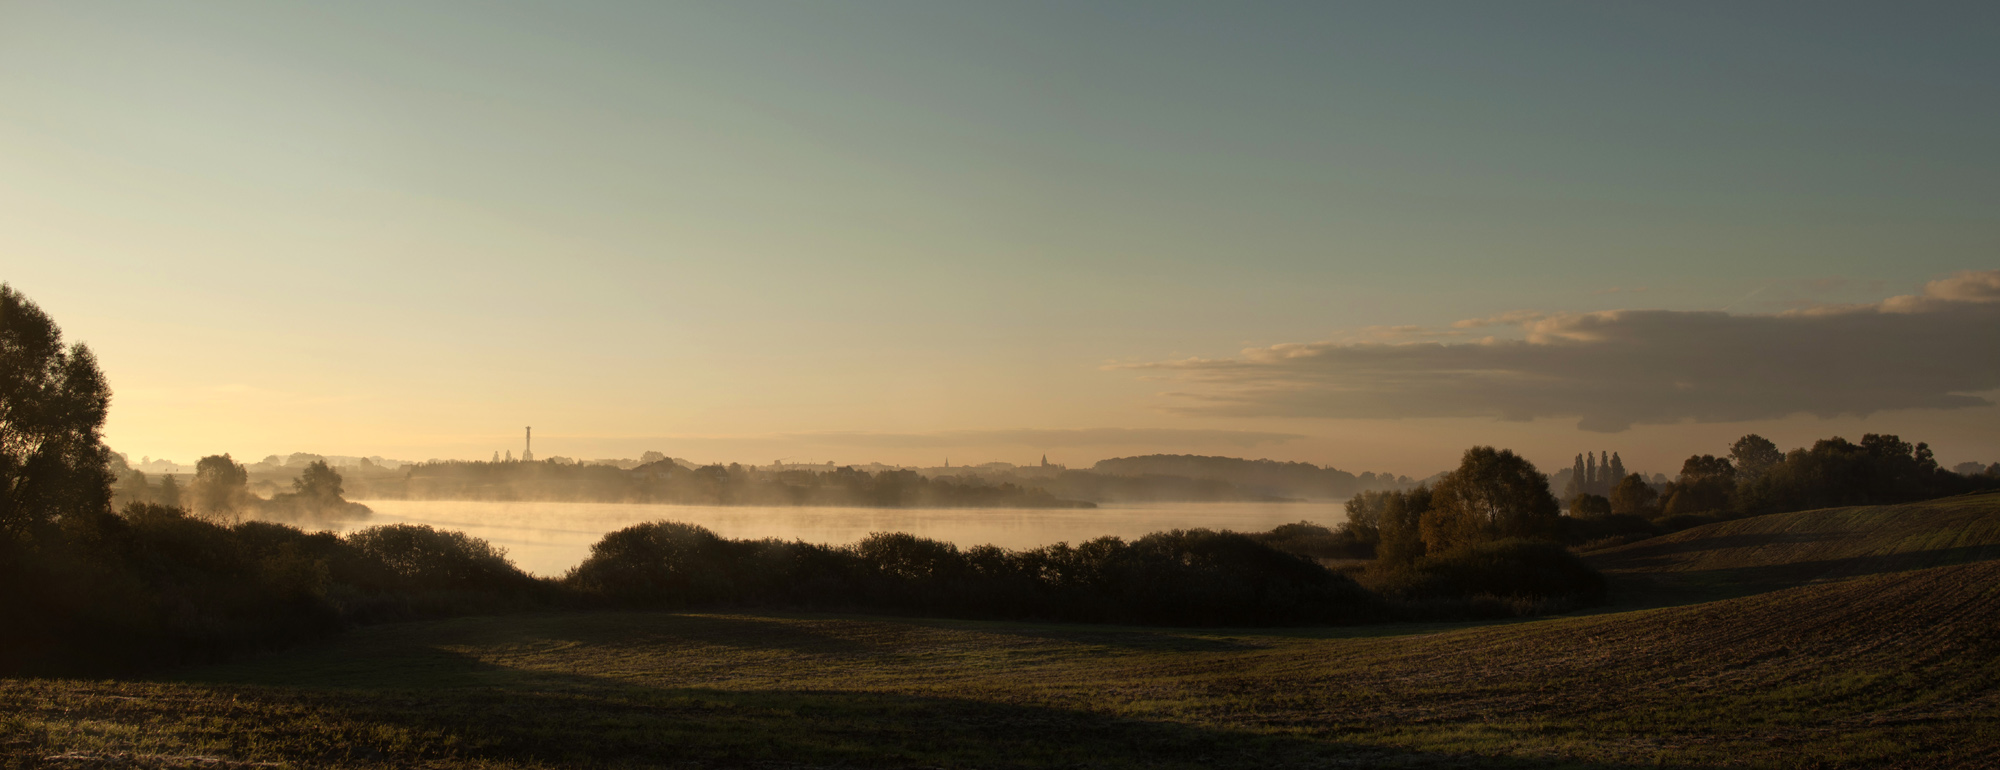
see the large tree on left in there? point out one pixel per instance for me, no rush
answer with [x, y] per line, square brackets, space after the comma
[53, 400]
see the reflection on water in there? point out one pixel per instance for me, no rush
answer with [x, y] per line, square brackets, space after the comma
[549, 538]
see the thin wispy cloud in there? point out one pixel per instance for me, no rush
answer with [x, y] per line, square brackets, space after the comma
[1052, 438]
[1164, 438]
[1614, 369]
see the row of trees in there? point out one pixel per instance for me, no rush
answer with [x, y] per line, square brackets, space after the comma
[1756, 477]
[220, 489]
[667, 482]
[1269, 478]
[1594, 474]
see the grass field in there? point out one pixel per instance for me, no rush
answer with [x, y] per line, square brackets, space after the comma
[1864, 637]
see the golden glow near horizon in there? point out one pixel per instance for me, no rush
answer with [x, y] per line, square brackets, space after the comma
[749, 232]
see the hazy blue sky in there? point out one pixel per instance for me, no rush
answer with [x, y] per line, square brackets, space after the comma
[900, 231]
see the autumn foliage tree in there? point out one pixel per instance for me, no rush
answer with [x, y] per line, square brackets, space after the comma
[1494, 494]
[1400, 526]
[1634, 497]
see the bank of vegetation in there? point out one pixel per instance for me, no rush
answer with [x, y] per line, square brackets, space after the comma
[1267, 478]
[665, 481]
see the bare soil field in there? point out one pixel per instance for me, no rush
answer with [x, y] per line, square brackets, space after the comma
[1864, 637]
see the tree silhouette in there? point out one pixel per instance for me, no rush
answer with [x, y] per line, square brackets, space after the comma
[1589, 506]
[1401, 525]
[1493, 494]
[170, 492]
[1707, 485]
[1633, 496]
[53, 402]
[318, 482]
[1753, 455]
[220, 485]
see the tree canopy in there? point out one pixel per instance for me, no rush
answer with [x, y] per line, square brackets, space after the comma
[53, 401]
[1494, 494]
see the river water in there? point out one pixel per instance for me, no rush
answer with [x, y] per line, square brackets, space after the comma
[550, 538]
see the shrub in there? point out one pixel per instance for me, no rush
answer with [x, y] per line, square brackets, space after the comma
[667, 564]
[1314, 541]
[1184, 577]
[1524, 575]
[426, 559]
[155, 586]
[1575, 530]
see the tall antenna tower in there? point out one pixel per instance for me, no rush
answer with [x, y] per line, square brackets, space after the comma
[528, 452]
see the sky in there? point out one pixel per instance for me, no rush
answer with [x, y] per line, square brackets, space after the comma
[1359, 235]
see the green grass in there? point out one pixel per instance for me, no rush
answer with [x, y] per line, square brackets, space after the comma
[1847, 661]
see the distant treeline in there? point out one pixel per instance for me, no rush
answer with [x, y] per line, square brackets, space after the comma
[220, 488]
[1147, 488]
[1268, 478]
[1755, 477]
[1219, 479]
[667, 482]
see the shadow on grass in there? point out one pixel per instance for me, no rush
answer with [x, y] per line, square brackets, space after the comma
[1644, 554]
[1125, 638]
[1640, 588]
[566, 719]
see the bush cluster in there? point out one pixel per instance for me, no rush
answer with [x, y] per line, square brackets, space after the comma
[1183, 577]
[1498, 578]
[154, 586]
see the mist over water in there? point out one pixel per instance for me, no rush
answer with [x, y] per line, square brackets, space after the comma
[549, 538]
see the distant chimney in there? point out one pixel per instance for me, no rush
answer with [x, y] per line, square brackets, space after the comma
[528, 452]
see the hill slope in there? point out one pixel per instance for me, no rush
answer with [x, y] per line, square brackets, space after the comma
[1786, 549]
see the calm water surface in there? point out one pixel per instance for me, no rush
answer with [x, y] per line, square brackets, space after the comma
[549, 538]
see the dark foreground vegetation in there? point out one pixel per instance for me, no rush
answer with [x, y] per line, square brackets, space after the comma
[1193, 577]
[1799, 650]
[153, 586]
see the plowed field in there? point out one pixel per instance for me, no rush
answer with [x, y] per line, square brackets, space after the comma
[1762, 553]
